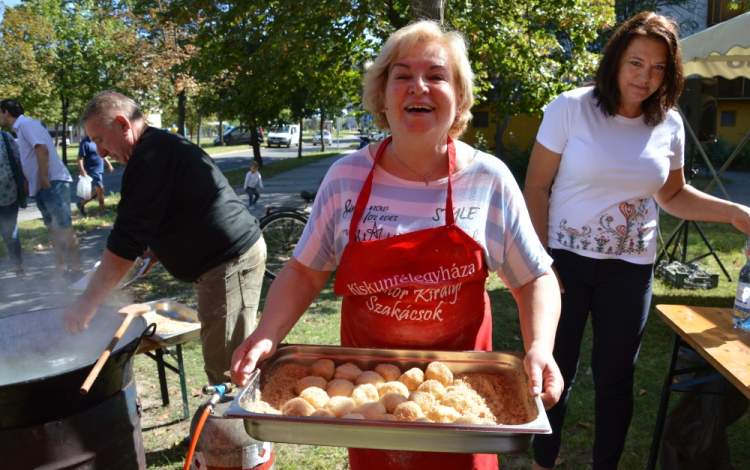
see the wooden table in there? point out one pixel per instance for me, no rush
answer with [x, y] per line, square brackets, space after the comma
[710, 332]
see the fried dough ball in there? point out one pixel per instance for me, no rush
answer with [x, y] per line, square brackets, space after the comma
[339, 388]
[340, 406]
[407, 411]
[370, 410]
[297, 407]
[369, 377]
[391, 400]
[388, 417]
[323, 414]
[440, 372]
[309, 381]
[323, 368]
[389, 372]
[348, 372]
[365, 393]
[423, 419]
[397, 387]
[467, 419]
[433, 387]
[443, 414]
[412, 378]
[425, 400]
[353, 416]
[315, 396]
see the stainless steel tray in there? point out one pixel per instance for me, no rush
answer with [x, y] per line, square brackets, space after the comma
[175, 311]
[428, 437]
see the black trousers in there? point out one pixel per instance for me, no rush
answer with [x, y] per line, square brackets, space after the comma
[618, 296]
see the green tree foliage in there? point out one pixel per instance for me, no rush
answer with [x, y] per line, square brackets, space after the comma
[264, 56]
[69, 53]
[527, 53]
[523, 53]
[26, 52]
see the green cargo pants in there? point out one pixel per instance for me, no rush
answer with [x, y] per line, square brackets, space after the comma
[228, 297]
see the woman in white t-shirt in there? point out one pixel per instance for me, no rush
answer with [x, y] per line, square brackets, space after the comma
[614, 150]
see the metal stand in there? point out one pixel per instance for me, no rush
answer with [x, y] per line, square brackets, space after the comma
[681, 233]
[669, 387]
[161, 366]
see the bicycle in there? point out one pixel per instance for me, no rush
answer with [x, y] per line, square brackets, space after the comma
[282, 228]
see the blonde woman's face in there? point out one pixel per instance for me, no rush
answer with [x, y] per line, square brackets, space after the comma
[420, 96]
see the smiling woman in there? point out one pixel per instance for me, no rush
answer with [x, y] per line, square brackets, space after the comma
[408, 219]
[614, 150]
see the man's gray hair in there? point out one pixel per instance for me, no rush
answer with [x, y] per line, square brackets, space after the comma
[108, 104]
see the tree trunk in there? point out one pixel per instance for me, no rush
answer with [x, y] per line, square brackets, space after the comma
[255, 144]
[181, 101]
[65, 106]
[299, 148]
[499, 131]
[199, 129]
[221, 132]
[428, 10]
[322, 132]
[57, 133]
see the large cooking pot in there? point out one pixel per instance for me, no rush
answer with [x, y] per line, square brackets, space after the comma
[42, 368]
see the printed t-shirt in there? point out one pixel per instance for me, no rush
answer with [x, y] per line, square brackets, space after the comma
[488, 205]
[602, 203]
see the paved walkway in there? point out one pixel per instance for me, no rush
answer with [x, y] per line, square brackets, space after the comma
[283, 189]
[34, 294]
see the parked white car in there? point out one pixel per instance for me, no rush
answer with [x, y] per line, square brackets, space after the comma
[285, 134]
[326, 136]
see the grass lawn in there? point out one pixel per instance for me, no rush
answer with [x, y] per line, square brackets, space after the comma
[163, 427]
[320, 325]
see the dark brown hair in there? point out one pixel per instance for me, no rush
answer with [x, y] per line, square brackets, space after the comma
[606, 87]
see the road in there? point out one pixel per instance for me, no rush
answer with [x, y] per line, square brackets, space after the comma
[231, 160]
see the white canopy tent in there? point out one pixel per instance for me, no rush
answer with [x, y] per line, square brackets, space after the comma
[724, 51]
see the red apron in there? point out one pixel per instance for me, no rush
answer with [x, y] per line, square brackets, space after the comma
[420, 290]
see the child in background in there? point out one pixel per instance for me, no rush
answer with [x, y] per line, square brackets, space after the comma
[252, 181]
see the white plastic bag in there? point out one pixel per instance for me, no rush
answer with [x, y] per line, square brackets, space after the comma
[83, 190]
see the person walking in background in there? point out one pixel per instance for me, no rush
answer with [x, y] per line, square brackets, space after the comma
[614, 151]
[91, 164]
[252, 181]
[49, 182]
[12, 195]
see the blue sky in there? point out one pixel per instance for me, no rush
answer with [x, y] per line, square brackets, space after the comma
[9, 3]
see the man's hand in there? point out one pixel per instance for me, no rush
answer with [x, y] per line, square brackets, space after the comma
[152, 261]
[76, 317]
[544, 376]
[45, 184]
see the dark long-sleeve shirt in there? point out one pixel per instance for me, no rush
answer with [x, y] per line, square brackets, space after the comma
[175, 201]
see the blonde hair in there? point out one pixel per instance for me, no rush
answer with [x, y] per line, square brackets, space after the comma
[400, 44]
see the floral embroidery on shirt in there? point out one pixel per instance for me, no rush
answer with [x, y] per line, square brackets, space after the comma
[627, 238]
